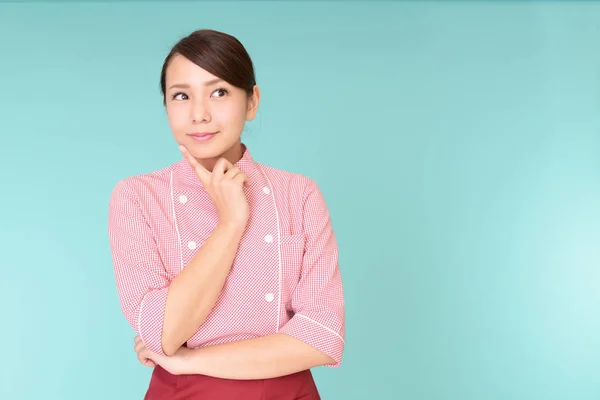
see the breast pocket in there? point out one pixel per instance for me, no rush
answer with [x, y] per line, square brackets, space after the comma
[292, 256]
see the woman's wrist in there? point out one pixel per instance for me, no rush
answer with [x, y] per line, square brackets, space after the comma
[232, 227]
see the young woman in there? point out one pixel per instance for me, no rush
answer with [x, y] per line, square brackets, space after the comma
[227, 269]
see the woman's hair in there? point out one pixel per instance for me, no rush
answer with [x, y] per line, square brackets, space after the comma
[218, 53]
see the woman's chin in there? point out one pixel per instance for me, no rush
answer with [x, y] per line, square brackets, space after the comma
[212, 148]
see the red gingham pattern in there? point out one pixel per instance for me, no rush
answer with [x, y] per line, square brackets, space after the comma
[285, 276]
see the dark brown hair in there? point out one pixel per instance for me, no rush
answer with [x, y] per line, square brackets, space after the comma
[218, 53]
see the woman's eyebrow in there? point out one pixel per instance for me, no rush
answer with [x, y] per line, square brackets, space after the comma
[186, 86]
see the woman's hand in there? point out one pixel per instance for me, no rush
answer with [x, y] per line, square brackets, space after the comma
[177, 364]
[225, 188]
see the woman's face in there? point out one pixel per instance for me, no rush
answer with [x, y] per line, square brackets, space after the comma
[206, 114]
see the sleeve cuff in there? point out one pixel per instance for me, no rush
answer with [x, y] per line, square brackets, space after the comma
[151, 318]
[317, 335]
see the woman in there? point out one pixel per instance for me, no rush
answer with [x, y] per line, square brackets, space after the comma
[226, 268]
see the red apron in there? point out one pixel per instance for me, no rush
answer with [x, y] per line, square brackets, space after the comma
[166, 386]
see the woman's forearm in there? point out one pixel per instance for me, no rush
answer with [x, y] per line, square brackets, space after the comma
[194, 292]
[260, 358]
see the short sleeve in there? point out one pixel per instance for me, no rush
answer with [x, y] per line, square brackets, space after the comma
[141, 279]
[318, 300]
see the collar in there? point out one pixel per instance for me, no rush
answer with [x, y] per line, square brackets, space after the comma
[187, 175]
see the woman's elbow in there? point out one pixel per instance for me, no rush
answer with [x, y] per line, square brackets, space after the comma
[170, 344]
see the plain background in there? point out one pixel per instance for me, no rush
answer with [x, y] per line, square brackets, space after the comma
[457, 145]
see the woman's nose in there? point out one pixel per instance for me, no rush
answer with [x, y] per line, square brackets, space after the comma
[200, 112]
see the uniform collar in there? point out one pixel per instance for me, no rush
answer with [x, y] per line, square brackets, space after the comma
[187, 175]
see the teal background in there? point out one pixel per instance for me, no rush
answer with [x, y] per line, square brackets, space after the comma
[457, 145]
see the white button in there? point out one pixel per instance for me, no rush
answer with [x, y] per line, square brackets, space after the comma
[183, 199]
[192, 245]
[268, 238]
[269, 297]
[266, 190]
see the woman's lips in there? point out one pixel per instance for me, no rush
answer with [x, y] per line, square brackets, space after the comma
[202, 137]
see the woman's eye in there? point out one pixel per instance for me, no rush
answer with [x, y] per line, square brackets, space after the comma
[220, 92]
[179, 96]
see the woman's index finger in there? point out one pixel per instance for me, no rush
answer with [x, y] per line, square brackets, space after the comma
[202, 172]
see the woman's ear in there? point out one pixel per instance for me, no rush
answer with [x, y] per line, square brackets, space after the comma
[253, 102]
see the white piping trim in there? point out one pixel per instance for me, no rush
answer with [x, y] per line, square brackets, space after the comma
[139, 321]
[278, 247]
[175, 222]
[322, 326]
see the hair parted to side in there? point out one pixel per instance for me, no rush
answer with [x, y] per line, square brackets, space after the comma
[219, 53]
